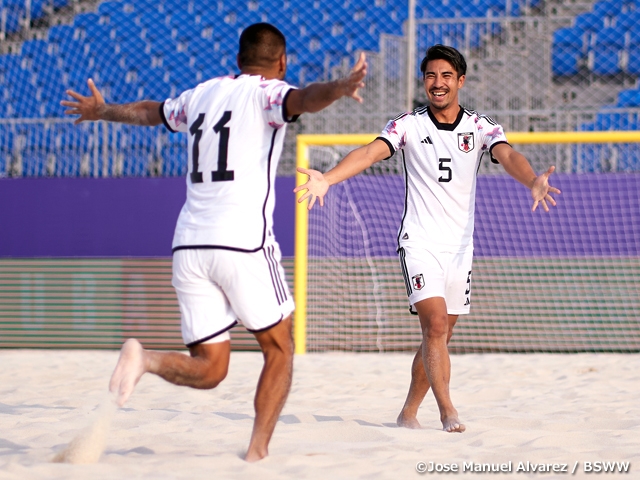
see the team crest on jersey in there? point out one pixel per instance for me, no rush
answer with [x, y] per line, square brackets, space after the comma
[466, 142]
[418, 281]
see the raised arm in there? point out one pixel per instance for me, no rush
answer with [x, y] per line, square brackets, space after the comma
[145, 112]
[355, 162]
[516, 165]
[317, 96]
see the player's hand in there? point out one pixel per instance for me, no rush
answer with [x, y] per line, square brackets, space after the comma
[316, 187]
[87, 107]
[541, 189]
[354, 82]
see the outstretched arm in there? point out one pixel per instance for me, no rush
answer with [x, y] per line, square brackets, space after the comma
[317, 96]
[516, 165]
[145, 112]
[355, 162]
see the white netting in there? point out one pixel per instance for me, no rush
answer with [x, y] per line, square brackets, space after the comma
[563, 281]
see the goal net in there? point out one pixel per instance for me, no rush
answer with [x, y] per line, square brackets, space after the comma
[564, 281]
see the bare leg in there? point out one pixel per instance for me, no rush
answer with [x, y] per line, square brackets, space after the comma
[273, 386]
[205, 368]
[419, 385]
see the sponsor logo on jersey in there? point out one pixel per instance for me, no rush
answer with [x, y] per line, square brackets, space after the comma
[466, 142]
[427, 140]
[418, 281]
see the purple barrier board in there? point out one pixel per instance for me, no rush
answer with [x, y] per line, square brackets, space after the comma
[110, 217]
[598, 215]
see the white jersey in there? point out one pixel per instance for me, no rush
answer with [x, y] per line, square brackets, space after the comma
[441, 163]
[236, 128]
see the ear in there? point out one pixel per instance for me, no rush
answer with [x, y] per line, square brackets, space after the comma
[283, 62]
[461, 81]
[238, 61]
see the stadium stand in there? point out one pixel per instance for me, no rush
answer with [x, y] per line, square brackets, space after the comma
[156, 49]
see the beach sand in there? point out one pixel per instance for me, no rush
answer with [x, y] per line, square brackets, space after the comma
[339, 421]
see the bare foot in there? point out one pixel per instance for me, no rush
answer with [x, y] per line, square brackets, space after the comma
[254, 456]
[407, 421]
[452, 424]
[130, 367]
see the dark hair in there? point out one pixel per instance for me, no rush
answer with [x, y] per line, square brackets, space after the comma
[450, 54]
[261, 44]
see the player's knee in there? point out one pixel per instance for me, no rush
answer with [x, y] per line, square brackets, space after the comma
[437, 326]
[214, 375]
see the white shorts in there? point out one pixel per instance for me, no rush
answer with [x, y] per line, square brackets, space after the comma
[217, 288]
[430, 274]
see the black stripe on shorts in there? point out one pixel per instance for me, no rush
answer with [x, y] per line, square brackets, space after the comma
[405, 272]
[275, 277]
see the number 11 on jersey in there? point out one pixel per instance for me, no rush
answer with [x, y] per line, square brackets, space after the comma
[221, 174]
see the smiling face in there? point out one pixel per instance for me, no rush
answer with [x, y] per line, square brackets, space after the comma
[441, 83]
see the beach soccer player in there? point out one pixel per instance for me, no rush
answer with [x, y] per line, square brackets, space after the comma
[441, 145]
[226, 261]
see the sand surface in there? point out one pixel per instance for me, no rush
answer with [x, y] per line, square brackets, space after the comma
[339, 421]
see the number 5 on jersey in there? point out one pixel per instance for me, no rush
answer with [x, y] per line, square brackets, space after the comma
[221, 174]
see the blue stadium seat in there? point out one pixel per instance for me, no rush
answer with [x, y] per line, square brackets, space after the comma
[123, 22]
[37, 9]
[17, 77]
[473, 10]
[53, 109]
[174, 156]
[612, 36]
[12, 19]
[86, 20]
[34, 48]
[182, 18]
[34, 162]
[152, 20]
[97, 32]
[629, 21]
[608, 9]
[633, 65]
[634, 37]
[159, 33]
[569, 36]
[109, 8]
[441, 11]
[606, 60]
[60, 33]
[565, 60]
[176, 61]
[5, 162]
[9, 62]
[589, 22]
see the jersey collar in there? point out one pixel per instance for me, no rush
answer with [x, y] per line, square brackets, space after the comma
[446, 126]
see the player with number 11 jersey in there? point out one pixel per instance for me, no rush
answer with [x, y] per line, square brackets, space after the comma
[236, 128]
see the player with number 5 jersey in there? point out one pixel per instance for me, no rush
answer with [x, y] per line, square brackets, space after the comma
[441, 161]
[226, 261]
[441, 145]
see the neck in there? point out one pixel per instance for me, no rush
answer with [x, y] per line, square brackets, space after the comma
[267, 73]
[447, 114]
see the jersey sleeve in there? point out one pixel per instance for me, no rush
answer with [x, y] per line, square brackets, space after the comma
[491, 134]
[395, 134]
[174, 112]
[272, 99]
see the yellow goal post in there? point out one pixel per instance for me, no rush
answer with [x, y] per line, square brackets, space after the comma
[305, 141]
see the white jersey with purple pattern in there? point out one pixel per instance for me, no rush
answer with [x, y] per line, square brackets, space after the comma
[236, 129]
[441, 163]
